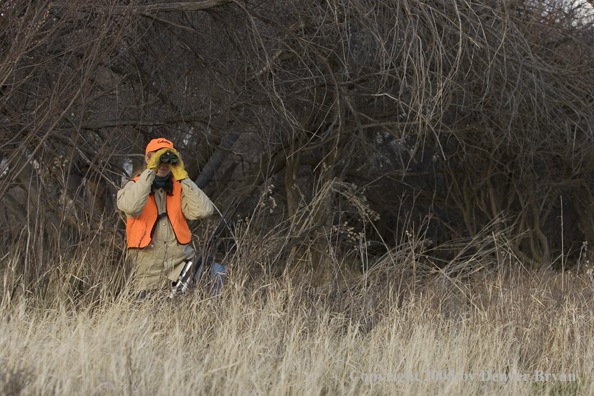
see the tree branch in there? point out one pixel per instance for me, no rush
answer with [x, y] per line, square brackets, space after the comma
[153, 8]
[118, 123]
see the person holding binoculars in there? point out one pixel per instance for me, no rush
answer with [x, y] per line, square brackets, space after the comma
[157, 204]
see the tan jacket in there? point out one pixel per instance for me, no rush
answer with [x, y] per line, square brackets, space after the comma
[162, 260]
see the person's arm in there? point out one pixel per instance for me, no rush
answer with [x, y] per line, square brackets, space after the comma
[133, 197]
[195, 203]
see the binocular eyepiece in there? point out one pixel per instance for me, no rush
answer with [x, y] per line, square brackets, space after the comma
[169, 157]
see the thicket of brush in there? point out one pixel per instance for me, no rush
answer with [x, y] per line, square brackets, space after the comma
[459, 113]
[416, 179]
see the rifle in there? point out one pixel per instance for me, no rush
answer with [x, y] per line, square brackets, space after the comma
[195, 267]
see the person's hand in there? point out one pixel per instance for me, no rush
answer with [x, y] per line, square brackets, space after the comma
[177, 169]
[155, 161]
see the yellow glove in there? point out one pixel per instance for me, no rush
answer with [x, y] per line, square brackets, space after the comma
[155, 161]
[177, 169]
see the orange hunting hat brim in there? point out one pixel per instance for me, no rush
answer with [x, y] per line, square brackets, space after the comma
[157, 144]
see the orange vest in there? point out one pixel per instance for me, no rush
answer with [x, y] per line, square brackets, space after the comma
[138, 230]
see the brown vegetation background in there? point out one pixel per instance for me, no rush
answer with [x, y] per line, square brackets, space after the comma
[415, 178]
[362, 123]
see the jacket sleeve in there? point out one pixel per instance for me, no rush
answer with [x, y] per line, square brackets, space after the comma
[195, 203]
[133, 197]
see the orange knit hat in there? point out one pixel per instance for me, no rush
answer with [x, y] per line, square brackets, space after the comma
[157, 144]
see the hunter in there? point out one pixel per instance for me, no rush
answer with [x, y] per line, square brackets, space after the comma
[157, 205]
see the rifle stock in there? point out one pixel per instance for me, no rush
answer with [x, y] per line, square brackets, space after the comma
[203, 261]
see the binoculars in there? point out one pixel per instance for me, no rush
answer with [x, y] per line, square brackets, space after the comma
[169, 157]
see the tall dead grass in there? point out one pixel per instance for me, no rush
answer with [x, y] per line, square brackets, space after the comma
[280, 335]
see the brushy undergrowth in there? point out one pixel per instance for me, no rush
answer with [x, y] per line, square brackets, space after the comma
[275, 335]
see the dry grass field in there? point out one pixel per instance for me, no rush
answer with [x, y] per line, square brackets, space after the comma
[401, 329]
